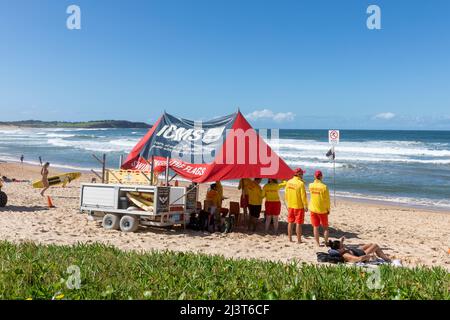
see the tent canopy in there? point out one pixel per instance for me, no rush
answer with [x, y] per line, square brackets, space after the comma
[224, 148]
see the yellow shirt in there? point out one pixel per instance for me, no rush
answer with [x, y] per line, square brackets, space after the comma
[243, 185]
[255, 194]
[320, 197]
[214, 197]
[219, 189]
[270, 191]
[295, 194]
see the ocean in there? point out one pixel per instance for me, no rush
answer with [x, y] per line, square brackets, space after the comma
[402, 167]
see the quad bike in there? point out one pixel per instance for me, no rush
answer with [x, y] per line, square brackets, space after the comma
[3, 197]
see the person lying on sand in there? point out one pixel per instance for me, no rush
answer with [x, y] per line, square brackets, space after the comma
[361, 254]
[6, 179]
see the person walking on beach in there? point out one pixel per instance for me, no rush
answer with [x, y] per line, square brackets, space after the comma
[297, 203]
[40, 160]
[273, 203]
[21, 159]
[255, 197]
[319, 206]
[44, 174]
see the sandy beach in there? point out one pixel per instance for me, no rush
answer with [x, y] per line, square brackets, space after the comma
[416, 236]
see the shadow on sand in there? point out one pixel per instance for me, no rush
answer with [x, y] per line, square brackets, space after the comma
[282, 230]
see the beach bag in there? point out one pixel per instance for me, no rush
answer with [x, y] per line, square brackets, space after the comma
[326, 257]
[203, 220]
[194, 223]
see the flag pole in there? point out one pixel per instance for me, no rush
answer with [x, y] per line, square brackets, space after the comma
[334, 176]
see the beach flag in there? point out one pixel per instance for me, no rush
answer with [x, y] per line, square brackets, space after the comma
[331, 154]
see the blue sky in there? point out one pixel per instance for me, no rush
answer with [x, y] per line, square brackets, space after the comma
[287, 64]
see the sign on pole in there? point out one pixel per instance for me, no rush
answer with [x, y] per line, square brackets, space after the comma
[333, 137]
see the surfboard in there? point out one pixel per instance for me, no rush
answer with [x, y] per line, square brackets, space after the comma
[141, 203]
[57, 180]
[143, 195]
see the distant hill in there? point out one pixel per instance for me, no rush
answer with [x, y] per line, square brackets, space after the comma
[85, 124]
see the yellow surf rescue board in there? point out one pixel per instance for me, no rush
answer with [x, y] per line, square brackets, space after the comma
[140, 202]
[143, 195]
[57, 180]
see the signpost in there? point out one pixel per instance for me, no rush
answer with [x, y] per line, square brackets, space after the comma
[333, 139]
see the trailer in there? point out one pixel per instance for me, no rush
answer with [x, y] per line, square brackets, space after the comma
[126, 207]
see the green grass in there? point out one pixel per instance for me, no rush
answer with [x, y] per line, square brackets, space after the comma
[39, 272]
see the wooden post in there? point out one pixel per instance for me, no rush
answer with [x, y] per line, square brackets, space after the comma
[96, 174]
[103, 163]
[120, 161]
[103, 167]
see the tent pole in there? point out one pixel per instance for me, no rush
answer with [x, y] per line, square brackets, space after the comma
[167, 172]
[151, 169]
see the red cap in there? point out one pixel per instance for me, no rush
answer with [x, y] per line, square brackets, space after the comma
[318, 174]
[299, 171]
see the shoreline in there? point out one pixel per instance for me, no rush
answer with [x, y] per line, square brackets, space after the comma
[339, 198]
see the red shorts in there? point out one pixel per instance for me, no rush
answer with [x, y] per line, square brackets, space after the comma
[273, 208]
[318, 219]
[296, 215]
[244, 201]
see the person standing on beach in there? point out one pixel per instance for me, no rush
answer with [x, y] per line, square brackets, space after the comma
[40, 160]
[297, 203]
[273, 203]
[21, 159]
[214, 201]
[44, 174]
[219, 189]
[243, 186]
[319, 206]
[255, 198]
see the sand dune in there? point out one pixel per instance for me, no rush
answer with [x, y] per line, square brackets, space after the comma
[415, 236]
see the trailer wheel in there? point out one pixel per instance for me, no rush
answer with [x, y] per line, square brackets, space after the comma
[111, 221]
[129, 224]
[3, 199]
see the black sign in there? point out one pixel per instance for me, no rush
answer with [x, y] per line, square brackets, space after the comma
[163, 198]
[191, 198]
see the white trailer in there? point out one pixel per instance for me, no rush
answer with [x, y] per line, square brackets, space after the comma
[111, 204]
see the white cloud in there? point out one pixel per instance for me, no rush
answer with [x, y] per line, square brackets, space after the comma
[267, 114]
[384, 116]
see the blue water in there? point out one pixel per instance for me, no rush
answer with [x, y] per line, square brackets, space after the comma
[407, 167]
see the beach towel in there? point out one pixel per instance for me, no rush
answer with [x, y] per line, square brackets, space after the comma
[378, 262]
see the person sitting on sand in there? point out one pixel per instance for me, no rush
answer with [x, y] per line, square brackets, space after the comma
[44, 174]
[361, 254]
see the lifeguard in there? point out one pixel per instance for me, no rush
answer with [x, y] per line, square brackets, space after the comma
[319, 206]
[295, 195]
